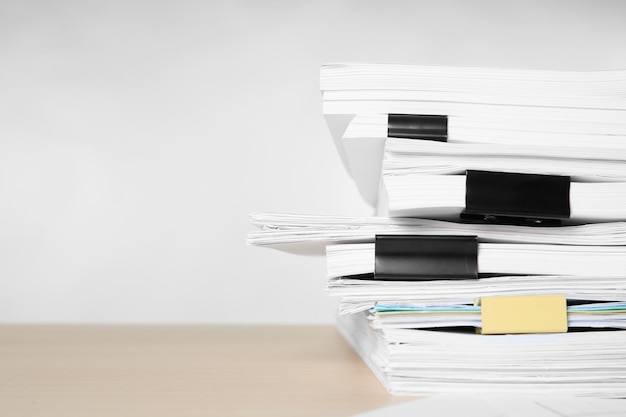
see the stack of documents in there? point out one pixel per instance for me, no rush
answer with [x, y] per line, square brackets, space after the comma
[430, 179]
[287, 228]
[403, 315]
[581, 111]
[414, 361]
[353, 237]
[497, 259]
[426, 178]
[422, 336]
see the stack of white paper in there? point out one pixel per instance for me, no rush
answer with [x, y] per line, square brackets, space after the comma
[502, 259]
[554, 109]
[358, 295]
[444, 197]
[287, 228]
[417, 330]
[411, 157]
[404, 315]
[411, 362]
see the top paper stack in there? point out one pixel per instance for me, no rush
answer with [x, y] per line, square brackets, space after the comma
[567, 123]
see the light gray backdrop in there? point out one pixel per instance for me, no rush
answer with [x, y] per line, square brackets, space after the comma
[136, 136]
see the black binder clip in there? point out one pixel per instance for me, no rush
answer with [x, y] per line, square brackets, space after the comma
[418, 126]
[518, 199]
[425, 258]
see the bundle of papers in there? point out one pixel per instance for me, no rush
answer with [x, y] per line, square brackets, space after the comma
[287, 228]
[558, 109]
[404, 315]
[572, 138]
[501, 259]
[508, 84]
[459, 285]
[424, 362]
[357, 295]
[592, 99]
[413, 157]
[444, 197]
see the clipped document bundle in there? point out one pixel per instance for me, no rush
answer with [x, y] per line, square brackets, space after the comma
[518, 197]
[411, 257]
[496, 262]
[410, 157]
[578, 110]
[546, 313]
[440, 314]
[432, 314]
[357, 294]
[290, 228]
[461, 361]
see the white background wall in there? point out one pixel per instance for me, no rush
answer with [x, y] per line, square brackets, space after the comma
[136, 136]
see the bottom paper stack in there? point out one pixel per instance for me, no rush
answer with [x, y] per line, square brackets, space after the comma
[424, 362]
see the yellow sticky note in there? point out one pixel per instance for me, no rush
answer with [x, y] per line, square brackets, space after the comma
[524, 314]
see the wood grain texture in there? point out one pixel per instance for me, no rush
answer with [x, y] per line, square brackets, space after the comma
[183, 371]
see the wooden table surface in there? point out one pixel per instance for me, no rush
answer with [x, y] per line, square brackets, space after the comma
[183, 371]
